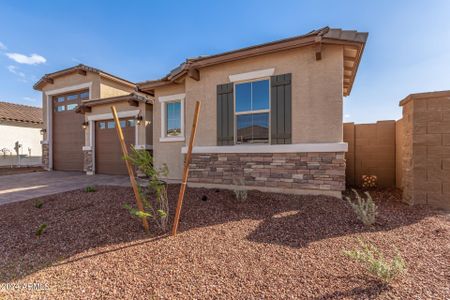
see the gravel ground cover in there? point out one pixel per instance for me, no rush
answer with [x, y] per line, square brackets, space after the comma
[271, 246]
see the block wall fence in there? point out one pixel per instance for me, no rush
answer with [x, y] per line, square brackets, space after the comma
[412, 154]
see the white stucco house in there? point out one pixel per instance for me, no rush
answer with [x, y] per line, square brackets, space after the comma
[20, 134]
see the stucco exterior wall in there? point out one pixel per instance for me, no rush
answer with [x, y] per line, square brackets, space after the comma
[168, 153]
[316, 99]
[399, 141]
[28, 137]
[109, 88]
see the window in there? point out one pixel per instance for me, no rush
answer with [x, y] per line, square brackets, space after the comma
[131, 123]
[172, 118]
[102, 125]
[60, 99]
[72, 97]
[60, 108]
[111, 124]
[252, 108]
[71, 106]
[123, 123]
[84, 95]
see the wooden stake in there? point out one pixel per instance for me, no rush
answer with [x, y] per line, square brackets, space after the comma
[186, 169]
[139, 203]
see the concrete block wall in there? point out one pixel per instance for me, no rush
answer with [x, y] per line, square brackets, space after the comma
[425, 149]
[371, 151]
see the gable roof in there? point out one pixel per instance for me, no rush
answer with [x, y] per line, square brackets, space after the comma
[80, 69]
[20, 113]
[352, 40]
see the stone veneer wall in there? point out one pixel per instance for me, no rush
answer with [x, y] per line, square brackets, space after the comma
[285, 171]
[426, 149]
[88, 163]
[45, 156]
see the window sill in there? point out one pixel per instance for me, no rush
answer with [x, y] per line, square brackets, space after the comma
[266, 148]
[172, 139]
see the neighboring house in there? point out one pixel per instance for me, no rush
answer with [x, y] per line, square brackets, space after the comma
[271, 116]
[20, 125]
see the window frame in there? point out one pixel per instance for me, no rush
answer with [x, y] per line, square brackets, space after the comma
[164, 100]
[252, 112]
[65, 101]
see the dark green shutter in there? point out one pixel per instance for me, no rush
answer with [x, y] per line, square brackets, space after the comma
[281, 109]
[225, 114]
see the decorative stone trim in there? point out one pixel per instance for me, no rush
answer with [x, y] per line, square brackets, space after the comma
[45, 156]
[321, 171]
[88, 163]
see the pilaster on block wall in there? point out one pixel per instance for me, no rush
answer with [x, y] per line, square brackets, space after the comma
[316, 172]
[426, 149]
[88, 164]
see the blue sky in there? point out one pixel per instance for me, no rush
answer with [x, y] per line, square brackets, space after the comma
[408, 49]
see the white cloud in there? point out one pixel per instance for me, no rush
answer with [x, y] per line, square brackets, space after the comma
[2, 46]
[29, 99]
[15, 71]
[33, 59]
[347, 116]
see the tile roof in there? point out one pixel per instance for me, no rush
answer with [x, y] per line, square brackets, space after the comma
[324, 34]
[38, 85]
[20, 113]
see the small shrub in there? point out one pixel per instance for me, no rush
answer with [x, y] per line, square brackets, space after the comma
[90, 189]
[41, 229]
[38, 204]
[375, 263]
[365, 209]
[240, 193]
[155, 199]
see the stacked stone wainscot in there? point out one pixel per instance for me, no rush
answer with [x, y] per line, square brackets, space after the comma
[289, 172]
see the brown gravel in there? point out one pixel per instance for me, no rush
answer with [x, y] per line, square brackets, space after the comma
[271, 246]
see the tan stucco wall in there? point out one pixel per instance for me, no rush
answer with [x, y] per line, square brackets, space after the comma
[167, 152]
[316, 99]
[109, 88]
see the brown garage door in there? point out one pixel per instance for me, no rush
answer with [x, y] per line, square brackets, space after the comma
[108, 154]
[68, 134]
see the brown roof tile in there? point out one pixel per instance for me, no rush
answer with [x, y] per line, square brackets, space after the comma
[20, 113]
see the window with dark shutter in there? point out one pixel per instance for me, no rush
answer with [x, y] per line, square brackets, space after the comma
[225, 114]
[281, 109]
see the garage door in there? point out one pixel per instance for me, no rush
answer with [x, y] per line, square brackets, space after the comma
[68, 134]
[108, 154]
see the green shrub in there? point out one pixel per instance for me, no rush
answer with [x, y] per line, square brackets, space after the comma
[41, 229]
[155, 199]
[375, 263]
[38, 204]
[365, 209]
[90, 189]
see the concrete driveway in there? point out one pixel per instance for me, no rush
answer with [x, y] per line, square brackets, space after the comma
[20, 187]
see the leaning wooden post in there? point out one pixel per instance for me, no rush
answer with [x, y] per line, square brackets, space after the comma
[139, 203]
[186, 169]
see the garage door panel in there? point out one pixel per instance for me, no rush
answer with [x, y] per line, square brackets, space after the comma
[68, 134]
[108, 153]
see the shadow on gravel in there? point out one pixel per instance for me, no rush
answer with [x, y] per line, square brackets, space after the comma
[371, 290]
[79, 222]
